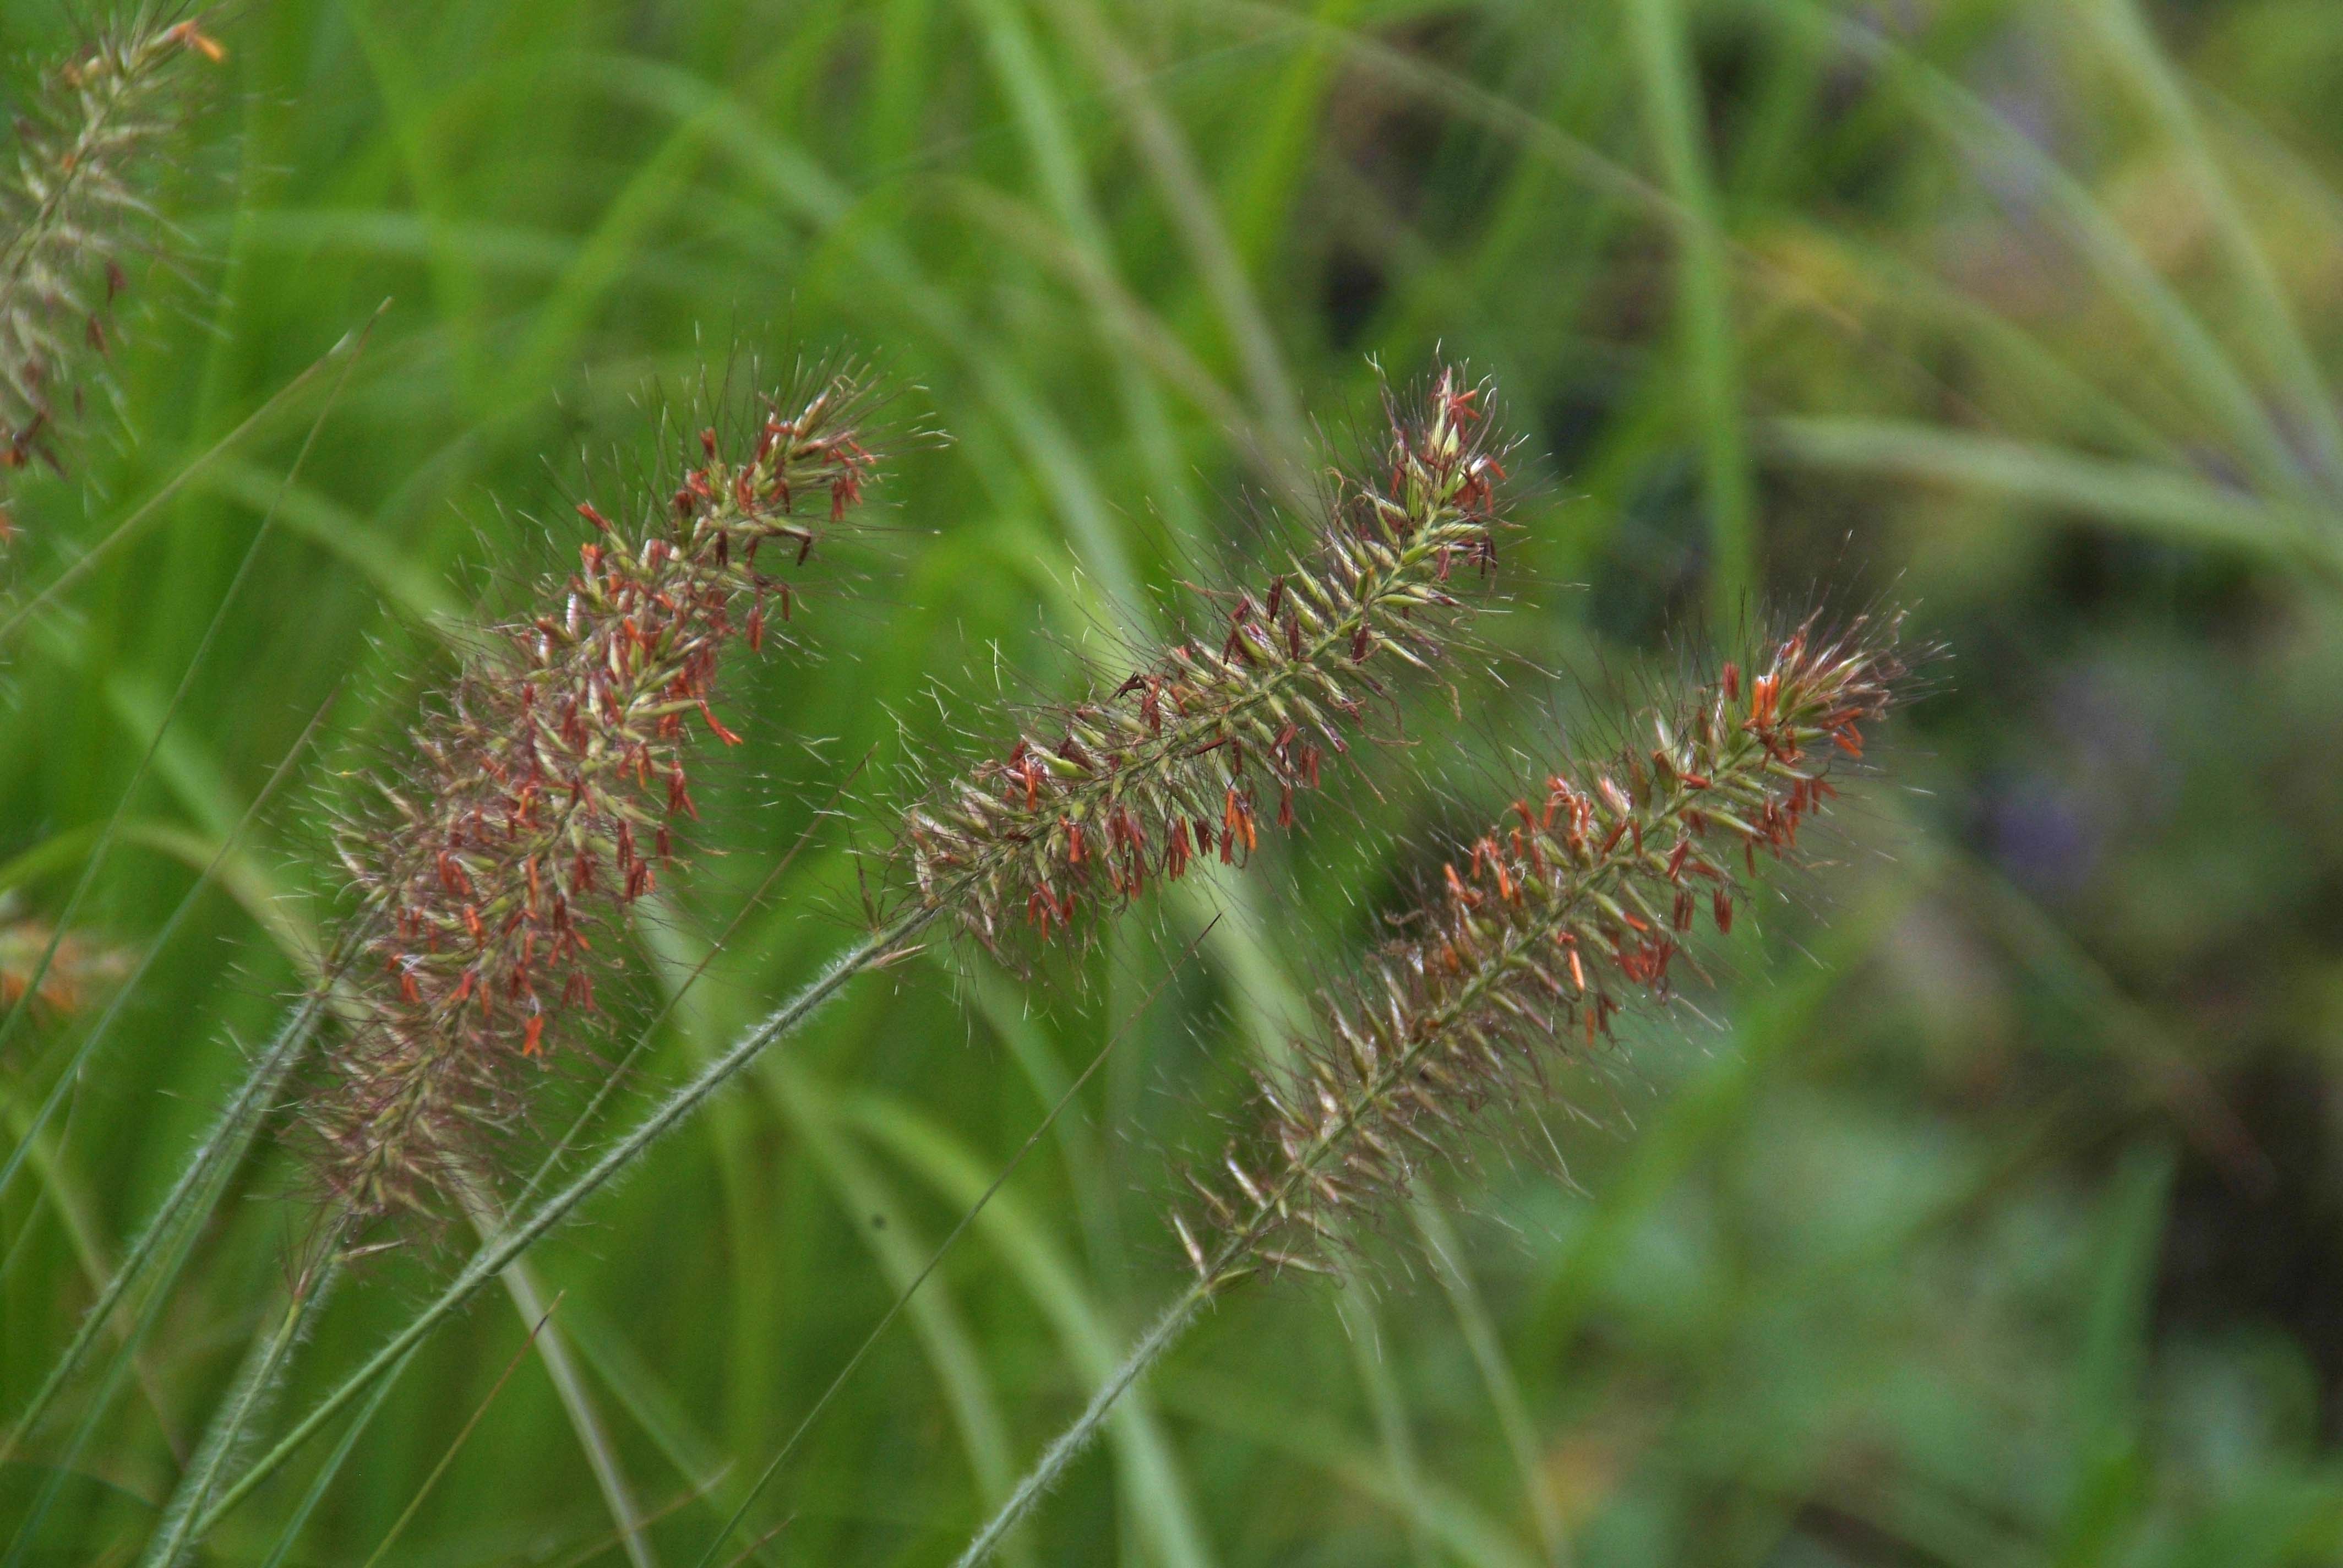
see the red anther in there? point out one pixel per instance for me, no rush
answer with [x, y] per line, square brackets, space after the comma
[1721, 906]
[1359, 642]
[708, 443]
[586, 510]
[1676, 859]
[472, 924]
[1728, 681]
[744, 493]
[186, 34]
[581, 874]
[1073, 842]
[1276, 596]
[463, 987]
[1293, 636]
[532, 1035]
[1683, 912]
[722, 734]
[678, 799]
[1849, 740]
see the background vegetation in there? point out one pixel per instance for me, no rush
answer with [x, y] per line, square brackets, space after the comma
[1997, 1218]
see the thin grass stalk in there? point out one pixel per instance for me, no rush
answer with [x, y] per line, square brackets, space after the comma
[222, 1147]
[22, 1007]
[882, 947]
[289, 1536]
[943, 1248]
[1013, 836]
[528, 1298]
[150, 508]
[87, 1048]
[65, 1464]
[1516, 951]
[253, 1385]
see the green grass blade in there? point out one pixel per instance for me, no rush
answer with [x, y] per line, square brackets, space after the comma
[1675, 116]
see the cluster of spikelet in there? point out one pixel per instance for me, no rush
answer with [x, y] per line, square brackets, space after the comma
[73, 208]
[550, 784]
[1577, 898]
[1183, 760]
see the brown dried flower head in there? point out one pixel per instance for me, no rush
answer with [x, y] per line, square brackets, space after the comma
[548, 788]
[1578, 900]
[1184, 758]
[73, 208]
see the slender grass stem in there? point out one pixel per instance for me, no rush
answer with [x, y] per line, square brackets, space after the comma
[885, 946]
[249, 1394]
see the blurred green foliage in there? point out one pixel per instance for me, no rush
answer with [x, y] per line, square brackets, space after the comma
[1989, 1210]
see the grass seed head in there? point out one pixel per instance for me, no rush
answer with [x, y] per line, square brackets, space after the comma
[549, 789]
[1536, 936]
[75, 209]
[1186, 757]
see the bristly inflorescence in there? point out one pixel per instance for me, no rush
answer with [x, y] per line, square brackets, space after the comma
[1183, 758]
[1575, 900]
[73, 208]
[549, 786]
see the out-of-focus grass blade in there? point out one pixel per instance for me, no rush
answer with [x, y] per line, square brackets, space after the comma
[2109, 1491]
[1768, 1025]
[1971, 124]
[152, 507]
[943, 1335]
[290, 1535]
[2269, 316]
[1497, 1376]
[2164, 502]
[248, 1395]
[1674, 115]
[1196, 218]
[1166, 1512]
[406, 1514]
[1401, 1465]
[1225, 1404]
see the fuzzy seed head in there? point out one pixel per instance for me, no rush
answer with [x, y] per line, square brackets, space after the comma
[1535, 938]
[548, 788]
[1186, 757]
[74, 207]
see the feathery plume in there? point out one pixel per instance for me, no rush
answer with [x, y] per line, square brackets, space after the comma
[1596, 887]
[73, 207]
[551, 784]
[1572, 902]
[1183, 760]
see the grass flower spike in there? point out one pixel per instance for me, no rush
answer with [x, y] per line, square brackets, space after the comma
[1576, 900]
[73, 208]
[552, 778]
[1184, 758]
